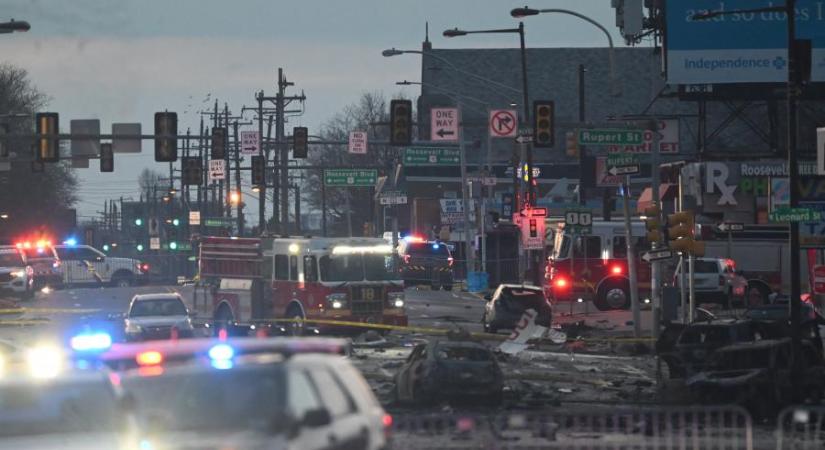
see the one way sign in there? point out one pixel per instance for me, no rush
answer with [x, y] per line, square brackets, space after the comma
[444, 124]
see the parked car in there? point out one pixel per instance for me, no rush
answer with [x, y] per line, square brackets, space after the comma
[685, 349]
[154, 316]
[84, 264]
[715, 280]
[506, 305]
[450, 370]
[757, 375]
[15, 274]
[428, 263]
[47, 270]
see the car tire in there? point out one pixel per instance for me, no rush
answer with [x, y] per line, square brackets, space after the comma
[122, 281]
[612, 295]
[295, 328]
[223, 318]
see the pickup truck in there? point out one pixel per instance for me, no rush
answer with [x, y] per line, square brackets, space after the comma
[715, 281]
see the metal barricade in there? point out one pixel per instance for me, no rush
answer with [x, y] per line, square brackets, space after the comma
[801, 427]
[722, 427]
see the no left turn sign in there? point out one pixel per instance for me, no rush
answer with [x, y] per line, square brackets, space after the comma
[503, 123]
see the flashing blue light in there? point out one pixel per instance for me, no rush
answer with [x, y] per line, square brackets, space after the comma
[221, 352]
[91, 342]
[222, 364]
[435, 246]
[146, 445]
[105, 247]
[70, 241]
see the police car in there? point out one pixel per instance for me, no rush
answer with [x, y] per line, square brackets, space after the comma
[248, 393]
[48, 401]
[423, 262]
[15, 274]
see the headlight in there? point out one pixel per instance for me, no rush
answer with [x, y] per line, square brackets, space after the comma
[133, 328]
[337, 301]
[396, 299]
[44, 362]
[19, 274]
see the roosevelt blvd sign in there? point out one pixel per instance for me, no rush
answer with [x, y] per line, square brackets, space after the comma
[350, 177]
[425, 156]
[657, 255]
[611, 137]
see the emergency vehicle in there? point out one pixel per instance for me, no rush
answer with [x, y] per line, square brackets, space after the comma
[244, 280]
[593, 267]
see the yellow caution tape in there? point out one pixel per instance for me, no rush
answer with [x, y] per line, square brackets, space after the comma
[23, 322]
[48, 311]
[12, 311]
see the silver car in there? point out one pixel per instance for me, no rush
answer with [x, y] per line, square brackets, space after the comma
[155, 316]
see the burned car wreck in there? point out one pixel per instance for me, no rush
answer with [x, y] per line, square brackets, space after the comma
[450, 370]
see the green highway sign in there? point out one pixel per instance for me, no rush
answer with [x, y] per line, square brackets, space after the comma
[622, 159]
[424, 156]
[611, 137]
[350, 177]
[785, 215]
[218, 222]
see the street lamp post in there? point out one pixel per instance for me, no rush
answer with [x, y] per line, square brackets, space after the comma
[793, 169]
[528, 147]
[519, 13]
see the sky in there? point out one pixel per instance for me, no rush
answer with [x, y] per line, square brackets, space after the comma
[123, 60]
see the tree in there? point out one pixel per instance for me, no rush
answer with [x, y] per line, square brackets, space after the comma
[149, 182]
[369, 114]
[31, 200]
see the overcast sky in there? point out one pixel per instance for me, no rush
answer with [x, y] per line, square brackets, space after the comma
[123, 60]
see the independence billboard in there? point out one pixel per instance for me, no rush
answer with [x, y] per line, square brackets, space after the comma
[740, 47]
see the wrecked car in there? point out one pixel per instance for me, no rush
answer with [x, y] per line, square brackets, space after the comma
[757, 375]
[686, 348]
[506, 306]
[450, 370]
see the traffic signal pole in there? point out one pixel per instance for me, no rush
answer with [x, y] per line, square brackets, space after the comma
[465, 197]
[238, 207]
[631, 261]
[655, 266]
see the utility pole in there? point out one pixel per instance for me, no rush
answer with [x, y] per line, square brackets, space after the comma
[631, 261]
[465, 197]
[283, 156]
[793, 181]
[655, 266]
[582, 152]
[262, 194]
[238, 207]
[226, 163]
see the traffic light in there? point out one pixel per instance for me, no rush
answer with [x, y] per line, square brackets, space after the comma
[258, 171]
[173, 245]
[166, 141]
[543, 126]
[571, 144]
[680, 232]
[192, 168]
[300, 136]
[654, 225]
[218, 143]
[533, 228]
[139, 247]
[107, 158]
[175, 222]
[400, 122]
[48, 148]
[138, 222]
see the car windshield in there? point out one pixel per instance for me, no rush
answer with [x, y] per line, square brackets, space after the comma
[160, 307]
[357, 267]
[57, 408]
[11, 260]
[239, 398]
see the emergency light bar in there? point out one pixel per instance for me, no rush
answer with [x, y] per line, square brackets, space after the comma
[350, 250]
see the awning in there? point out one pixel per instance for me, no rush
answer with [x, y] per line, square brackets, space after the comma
[667, 192]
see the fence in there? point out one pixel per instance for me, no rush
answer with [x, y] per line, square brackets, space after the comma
[723, 427]
[801, 427]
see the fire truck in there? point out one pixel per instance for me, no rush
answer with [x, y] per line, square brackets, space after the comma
[244, 280]
[593, 267]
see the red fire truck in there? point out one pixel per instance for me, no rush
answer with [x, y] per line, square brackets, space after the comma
[593, 267]
[243, 280]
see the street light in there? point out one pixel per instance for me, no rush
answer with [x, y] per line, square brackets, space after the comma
[519, 13]
[531, 189]
[14, 25]
[395, 52]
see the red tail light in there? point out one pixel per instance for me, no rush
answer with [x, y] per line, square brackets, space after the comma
[149, 358]
[387, 422]
[450, 261]
[406, 259]
[616, 270]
